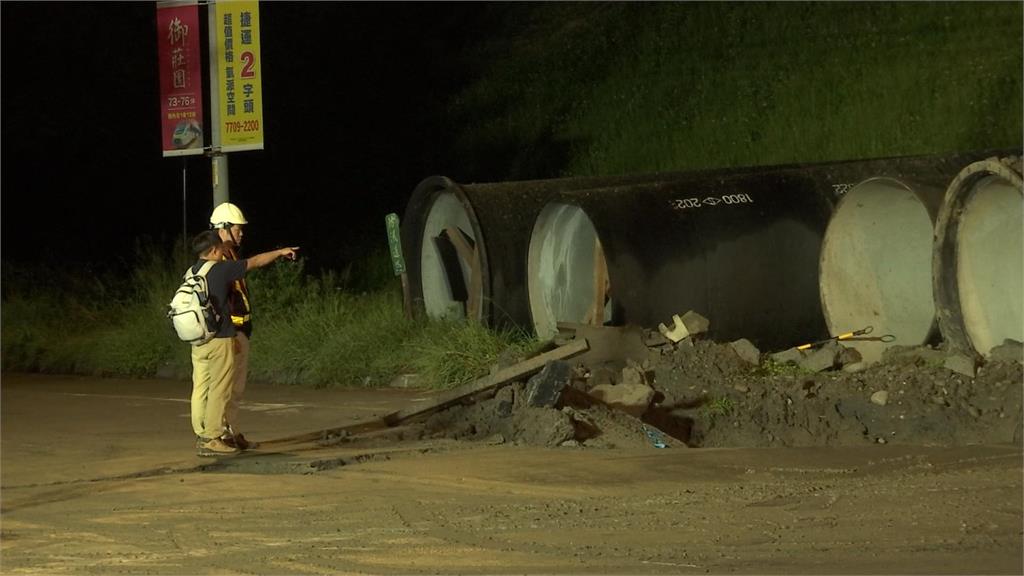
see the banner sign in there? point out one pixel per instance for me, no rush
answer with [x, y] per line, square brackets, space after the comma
[239, 74]
[181, 79]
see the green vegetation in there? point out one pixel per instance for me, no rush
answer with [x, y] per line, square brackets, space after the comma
[314, 331]
[772, 369]
[578, 89]
[714, 407]
[596, 89]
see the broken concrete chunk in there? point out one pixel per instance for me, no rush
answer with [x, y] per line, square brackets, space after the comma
[1009, 351]
[746, 351]
[632, 376]
[791, 356]
[545, 389]
[655, 340]
[678, 331]
[855, 367]
[633, 399]
[848, 356]
[695, 323]
[961, 364]
[505, 401]
[824, 358]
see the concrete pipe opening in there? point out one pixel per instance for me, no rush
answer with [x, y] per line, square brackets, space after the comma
[979, 257]
[566, 270]
[875, 267]
[451, 269]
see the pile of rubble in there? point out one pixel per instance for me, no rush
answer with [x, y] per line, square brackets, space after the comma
[673, 387]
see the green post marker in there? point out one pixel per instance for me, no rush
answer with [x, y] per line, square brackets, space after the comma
[395, 243]
[397, 262]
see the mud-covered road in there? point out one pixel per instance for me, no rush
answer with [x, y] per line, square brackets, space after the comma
[99, 477]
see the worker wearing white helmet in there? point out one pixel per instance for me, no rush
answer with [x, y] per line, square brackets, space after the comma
[227, 219]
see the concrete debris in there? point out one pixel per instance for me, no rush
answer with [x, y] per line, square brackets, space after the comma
[704, 393]
[655, 339]
[1009, 351]
[824, 358]
[849, 357]
[633, 399]
[881, 398]
[678, 331]
[631, 376]
[545, 389]
[961, 364]
[695, 323]
[746, 351]
[495, 440]
[505, 399]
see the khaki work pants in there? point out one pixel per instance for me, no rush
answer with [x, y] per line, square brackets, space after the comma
[212, 368]
[239, 373]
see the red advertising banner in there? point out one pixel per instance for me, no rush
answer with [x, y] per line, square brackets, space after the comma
[181, 79]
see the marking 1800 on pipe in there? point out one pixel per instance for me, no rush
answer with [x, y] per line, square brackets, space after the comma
[684, 203]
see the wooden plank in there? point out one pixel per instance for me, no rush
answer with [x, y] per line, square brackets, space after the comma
[473, 303]
[500, 377]
[461, 244]
[471, 255]
[596, 314]
[490, 381]
[351, 429]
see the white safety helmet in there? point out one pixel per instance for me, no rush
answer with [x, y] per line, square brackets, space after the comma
[226, 214]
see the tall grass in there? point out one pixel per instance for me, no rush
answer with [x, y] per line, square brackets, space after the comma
[316, 331]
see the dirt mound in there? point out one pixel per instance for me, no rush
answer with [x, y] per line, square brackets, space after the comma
[506, 418]
[909, 398]
[710, 394]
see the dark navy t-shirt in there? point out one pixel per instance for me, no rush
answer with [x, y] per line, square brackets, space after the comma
[219, 280]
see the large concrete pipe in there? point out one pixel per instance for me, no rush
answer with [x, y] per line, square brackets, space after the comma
[876, 263]
[978, 256]
[466, 244]
[741, 248]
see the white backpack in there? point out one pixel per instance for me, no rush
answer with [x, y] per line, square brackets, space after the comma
[191, 311]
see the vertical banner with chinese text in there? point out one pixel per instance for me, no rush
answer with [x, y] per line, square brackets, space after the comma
[181, 79]
[239, 75]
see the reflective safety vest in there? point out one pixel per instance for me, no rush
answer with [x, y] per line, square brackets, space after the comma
[238, 299]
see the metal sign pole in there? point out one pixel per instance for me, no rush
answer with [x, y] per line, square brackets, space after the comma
[219, 160]
[184, 200]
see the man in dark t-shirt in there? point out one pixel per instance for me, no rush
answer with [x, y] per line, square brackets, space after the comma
[213, 362]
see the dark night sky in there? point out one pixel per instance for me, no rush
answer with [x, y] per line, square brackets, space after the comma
[353, 98]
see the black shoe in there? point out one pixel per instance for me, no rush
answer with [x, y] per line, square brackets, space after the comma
[244, 444]
[228, 439]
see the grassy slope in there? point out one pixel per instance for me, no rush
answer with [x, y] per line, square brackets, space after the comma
[623, 88]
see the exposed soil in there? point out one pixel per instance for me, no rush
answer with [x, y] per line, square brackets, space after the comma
[706, 395]
[734, 404]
